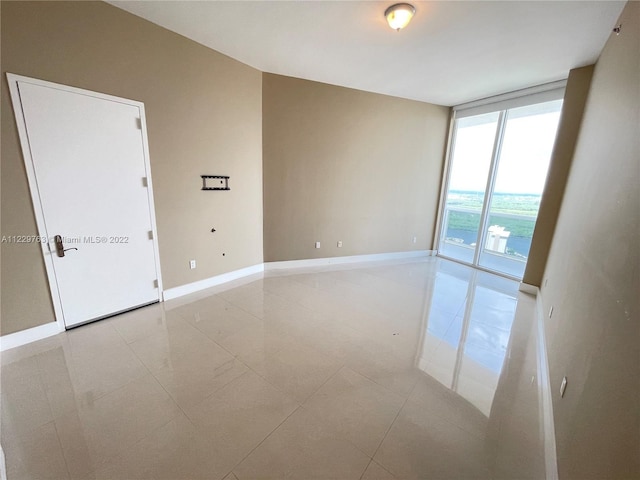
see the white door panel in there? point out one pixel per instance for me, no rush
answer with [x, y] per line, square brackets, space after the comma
[89, 162]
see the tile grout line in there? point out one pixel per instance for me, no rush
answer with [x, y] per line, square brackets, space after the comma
[300, 406]
[366, 468]
[262, 441]
[379, 466]
[323, 384]
[207, 397]
[105, 462]
[62, 450]
[149, 372]
[233, 355]
[380, 385]
[236, 357]
[392, 423]
[341, 436]
[186, 415]
[250, 368]
[275, 353]
[37, 358]
[179, 407]
[282, 348]
[390, 426]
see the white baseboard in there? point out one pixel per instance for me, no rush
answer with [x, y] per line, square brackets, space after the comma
[43, 331]
[527, 288]
[29, 335]
[176, 292]
[317, 262]
[545, 401]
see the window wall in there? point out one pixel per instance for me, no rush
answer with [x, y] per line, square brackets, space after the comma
[496, 174]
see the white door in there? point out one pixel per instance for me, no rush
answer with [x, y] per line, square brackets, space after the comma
[87, 154]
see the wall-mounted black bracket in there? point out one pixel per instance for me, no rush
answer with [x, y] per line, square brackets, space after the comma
[215, 182]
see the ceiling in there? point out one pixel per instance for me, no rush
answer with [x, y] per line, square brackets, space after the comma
[451, 53]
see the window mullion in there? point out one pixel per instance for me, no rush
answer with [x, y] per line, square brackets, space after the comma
[493, 170]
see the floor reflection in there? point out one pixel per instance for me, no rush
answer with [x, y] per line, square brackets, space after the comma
[407, 369]
[469, 318]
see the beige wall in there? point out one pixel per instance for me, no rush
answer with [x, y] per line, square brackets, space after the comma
[593, 276]
[575, 98]
[342, 164]
[204, 117]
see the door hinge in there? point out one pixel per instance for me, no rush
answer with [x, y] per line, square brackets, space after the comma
[145, 182]
[150, 234]
[139, 123]
[155, 283]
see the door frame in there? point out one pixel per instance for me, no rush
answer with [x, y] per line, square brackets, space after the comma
[47, 251]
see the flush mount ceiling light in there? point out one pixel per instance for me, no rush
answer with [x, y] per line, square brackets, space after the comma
[399, 15]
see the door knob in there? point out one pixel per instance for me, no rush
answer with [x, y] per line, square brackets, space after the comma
[60, 247]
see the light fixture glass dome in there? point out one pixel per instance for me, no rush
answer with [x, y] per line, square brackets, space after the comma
[399, 15]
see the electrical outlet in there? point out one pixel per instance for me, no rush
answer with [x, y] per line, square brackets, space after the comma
[317, 244]
[192, 264]
[339, 243]
[563, 387]
[415, 239]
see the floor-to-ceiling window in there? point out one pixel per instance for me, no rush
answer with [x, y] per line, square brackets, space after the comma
[497, 168]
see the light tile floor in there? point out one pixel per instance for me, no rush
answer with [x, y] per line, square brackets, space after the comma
[389, 370]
